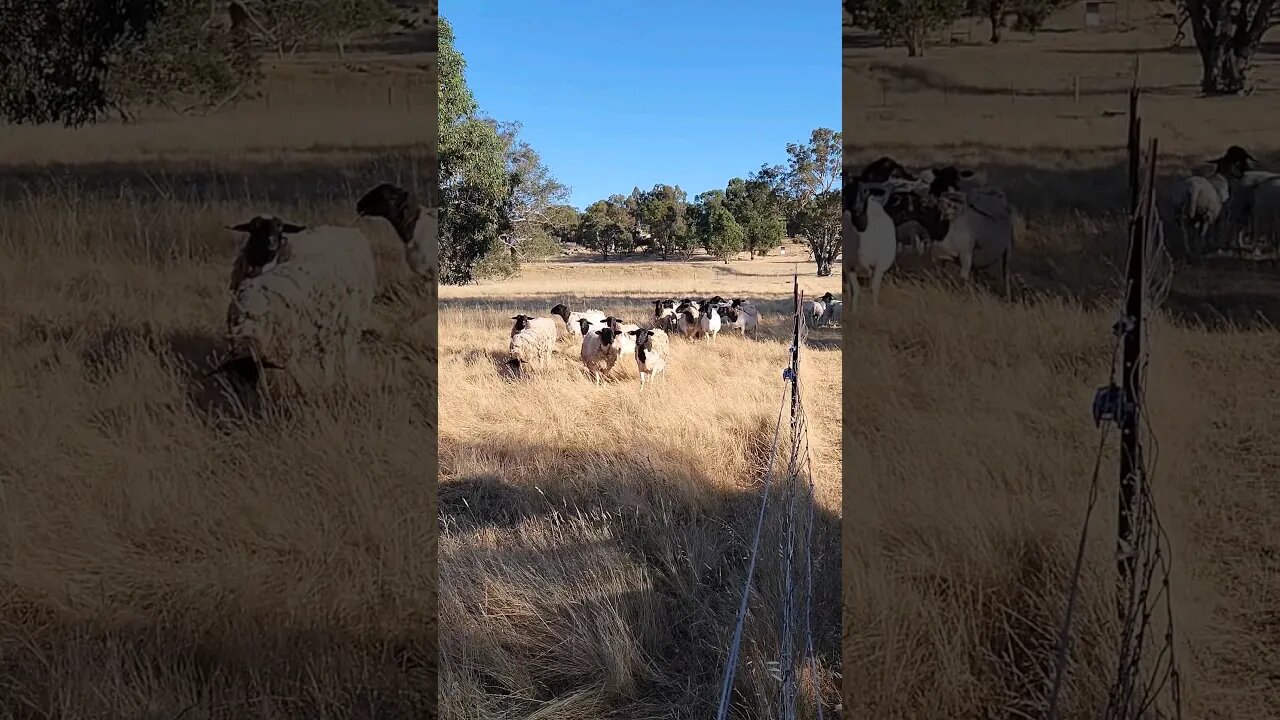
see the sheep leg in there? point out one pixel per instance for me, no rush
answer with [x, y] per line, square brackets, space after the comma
[876, 278]
[1004, 271]
[642, 381]
[966, 265]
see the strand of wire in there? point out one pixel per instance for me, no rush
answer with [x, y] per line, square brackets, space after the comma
[1155, 249]
[1149, 548]
[735, 645]
[809, 654]
[787, 691]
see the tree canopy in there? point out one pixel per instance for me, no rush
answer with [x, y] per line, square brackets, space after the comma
[74, 62]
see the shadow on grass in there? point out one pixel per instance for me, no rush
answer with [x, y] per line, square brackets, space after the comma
[182, 664]
[337, 174]
[913, 78]
[1079, 217]
[690, 534]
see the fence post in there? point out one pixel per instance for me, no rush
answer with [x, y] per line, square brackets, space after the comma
[795, 350]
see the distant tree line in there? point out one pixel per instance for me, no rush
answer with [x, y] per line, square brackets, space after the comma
[752, 215]
[1227, 33]
[77, 61]
[501, 206]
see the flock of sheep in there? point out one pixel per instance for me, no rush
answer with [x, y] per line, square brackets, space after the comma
[943, 213]
[305, 294]
[946, 214]
[605, 339]
[1234, 202]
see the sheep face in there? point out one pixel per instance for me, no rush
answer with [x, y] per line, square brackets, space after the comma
[947, 178]
[883, 169]
[1234, 162]
[384, 201]
[827, 297]
[854, 198]
[608, 336]
[585, 325]
[395, 204]
[266, 238]
[643, 338]
[522, 321]
[561, 310]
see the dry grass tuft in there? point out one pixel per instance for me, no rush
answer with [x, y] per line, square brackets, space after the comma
[594, 539]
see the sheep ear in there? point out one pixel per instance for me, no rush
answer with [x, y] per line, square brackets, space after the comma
[242, 227]
[290, 228]
[966, 173]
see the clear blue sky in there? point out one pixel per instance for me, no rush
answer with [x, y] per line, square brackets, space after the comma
[617, 94]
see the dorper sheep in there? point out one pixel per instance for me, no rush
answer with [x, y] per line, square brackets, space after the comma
[709, 322]
[652, 351]
[745, 318]
[1198, 200]
[533, 340]
[265, 245]
[871, 243]
[570, 318]
[834, 309]
[600, 352]
[416, 226]
[311, 306]
[973, 228]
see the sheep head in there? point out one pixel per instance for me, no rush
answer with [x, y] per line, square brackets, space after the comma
[522, 321]
[266, 237]
[393, 203]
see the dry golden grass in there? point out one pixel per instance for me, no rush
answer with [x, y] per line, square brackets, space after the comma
[166, 553]
[594, 539]
[969, 441]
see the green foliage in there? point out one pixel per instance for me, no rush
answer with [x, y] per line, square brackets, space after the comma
[1031, 15]
[758, 208]
[285, 25]
[533, 192]
[719, 232]
[813, 193]
[908, 21]
[562, 222]
[661, 211]
[607, 227]
[474, 183]
[182, 63]
[1227, 35]
[55, 55]
[496, 193]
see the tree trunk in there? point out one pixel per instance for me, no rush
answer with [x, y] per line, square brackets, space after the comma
[1227, 33]
[915, 41]
[995, 13]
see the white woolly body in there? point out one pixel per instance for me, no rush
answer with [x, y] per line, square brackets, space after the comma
[309, 306]
[598, 357]
[655, 356]
[534, 344]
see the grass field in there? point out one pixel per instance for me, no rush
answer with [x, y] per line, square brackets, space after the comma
[594, 539]
[969, 441]
[163, 555]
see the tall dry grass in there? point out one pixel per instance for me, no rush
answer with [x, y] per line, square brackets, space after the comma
[594, 539]
[969, 438]
[166, 551]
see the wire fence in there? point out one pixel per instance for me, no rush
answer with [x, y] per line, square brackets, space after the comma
[796, 649]
[1146, 683]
